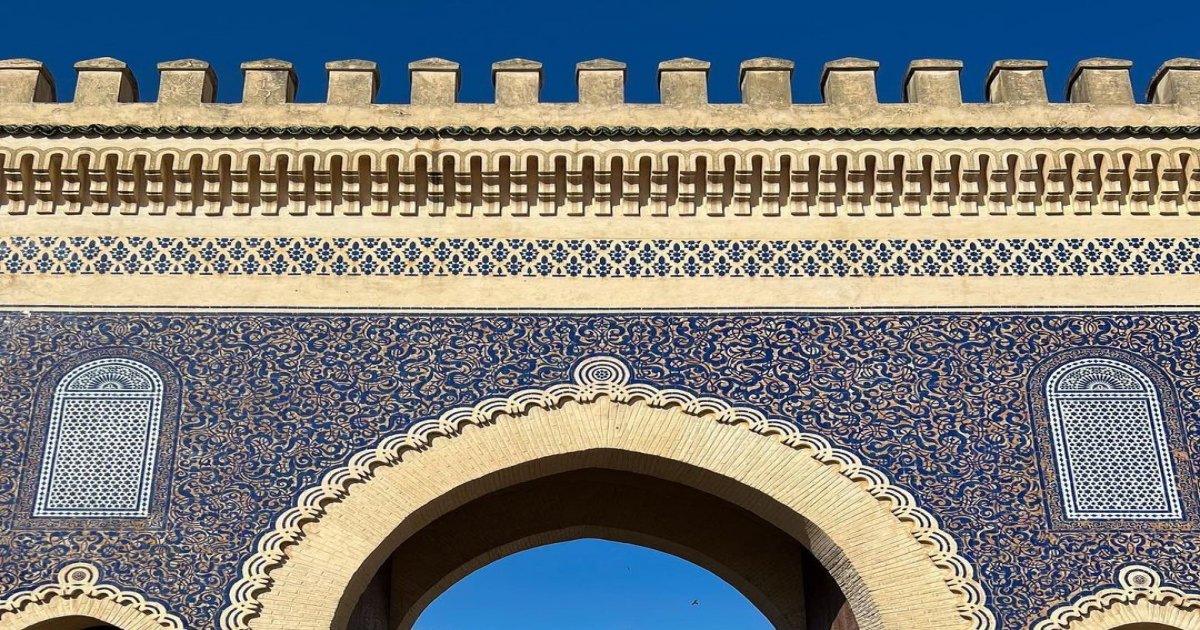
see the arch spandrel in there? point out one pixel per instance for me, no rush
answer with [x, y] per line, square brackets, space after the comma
[895, 566]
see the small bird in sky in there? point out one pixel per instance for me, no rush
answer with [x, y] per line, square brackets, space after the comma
[695, 602]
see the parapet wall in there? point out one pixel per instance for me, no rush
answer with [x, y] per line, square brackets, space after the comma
[764, 82]
[1018, 153]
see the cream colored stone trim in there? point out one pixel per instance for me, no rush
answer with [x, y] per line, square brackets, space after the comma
[540, 294]
[79, 592]
[534, 178]
[900, 570]
[1138, 597]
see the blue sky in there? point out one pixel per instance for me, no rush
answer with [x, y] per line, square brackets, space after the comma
[591, 585]
[641, 33]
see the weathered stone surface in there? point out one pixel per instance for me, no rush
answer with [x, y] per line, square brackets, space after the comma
[849, 81]
[600, 82]
[517, 82]
[683, 82]
[933, 82]
[766, 81]
[1017, 82]
[1101, 81]
[352, 82]
[1177, 82]
[186, 82]
[435, 81]
[268, 82]
[103, 81]
[25, 81]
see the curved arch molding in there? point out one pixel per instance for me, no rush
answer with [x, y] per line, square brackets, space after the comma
[1138, 597]
[78, 591]
[593, 379]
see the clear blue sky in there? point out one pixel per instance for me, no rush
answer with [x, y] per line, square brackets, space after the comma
[559, 34]
[591, 585]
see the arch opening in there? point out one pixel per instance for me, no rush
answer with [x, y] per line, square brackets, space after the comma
[73, 623]
[770, 567]
[895, 566]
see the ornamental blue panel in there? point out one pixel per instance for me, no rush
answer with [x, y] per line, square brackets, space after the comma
[100, 443]
[1110, 443]
[259, 405]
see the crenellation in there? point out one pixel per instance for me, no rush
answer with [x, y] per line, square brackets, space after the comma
[352, 82]
[434, 81]
[1101, 81]
[933, 82]
[766, 81]
[1017, 82]
[1176, 82]
[517, 82]
[683, 82]
[268, 82]
[186, 82]
[104, 81]
[25, 81]
[849, 81]
[600, 82]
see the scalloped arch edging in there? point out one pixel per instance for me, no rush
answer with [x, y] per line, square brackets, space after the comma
[1135, 582]
[593, 378]
[82, 579]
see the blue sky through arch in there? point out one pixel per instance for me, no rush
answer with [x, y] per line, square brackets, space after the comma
[591, 584]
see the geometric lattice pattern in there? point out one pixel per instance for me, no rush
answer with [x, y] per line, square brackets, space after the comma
[101, 442]
[602, 258]
[1110, 443]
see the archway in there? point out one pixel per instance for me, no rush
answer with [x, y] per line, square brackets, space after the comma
[896, 568]
[772, 569]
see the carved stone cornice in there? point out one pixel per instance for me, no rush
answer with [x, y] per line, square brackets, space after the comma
[599, 179]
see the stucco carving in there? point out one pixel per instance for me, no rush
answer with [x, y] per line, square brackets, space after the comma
[538, 180]
[1135, 583]
[82, 580]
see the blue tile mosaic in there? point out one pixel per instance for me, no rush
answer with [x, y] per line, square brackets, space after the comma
[939, 401]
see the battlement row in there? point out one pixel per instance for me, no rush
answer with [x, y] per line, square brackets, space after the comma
[764, 82]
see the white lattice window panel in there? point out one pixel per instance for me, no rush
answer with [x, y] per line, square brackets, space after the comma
[1110, 443]
[101, 442]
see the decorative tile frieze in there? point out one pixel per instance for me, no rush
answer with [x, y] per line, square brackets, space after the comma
[597, 258]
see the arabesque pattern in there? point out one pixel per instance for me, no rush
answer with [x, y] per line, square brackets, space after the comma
[274, 401]
[596, 377]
